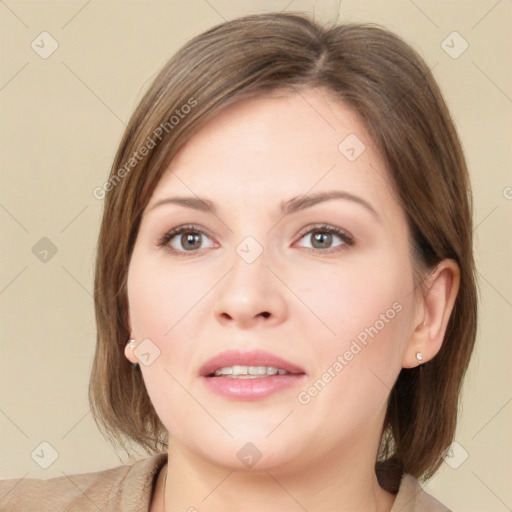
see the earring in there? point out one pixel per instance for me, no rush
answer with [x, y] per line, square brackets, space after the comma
[131, 344]
[419, 357]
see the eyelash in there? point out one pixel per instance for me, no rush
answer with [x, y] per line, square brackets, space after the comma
[346, 238]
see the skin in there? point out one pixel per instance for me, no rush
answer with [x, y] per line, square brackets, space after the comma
[317, 456]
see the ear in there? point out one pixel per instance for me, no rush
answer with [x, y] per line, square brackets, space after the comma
[435, 305]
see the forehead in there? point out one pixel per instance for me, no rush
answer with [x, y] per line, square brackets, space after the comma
[274, 128]
[277, 147]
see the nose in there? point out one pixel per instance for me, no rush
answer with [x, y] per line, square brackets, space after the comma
[250, 294]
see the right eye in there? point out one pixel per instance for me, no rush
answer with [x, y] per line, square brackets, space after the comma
[183, 239]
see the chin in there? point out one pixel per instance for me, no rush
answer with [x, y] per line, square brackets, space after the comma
[251, 453]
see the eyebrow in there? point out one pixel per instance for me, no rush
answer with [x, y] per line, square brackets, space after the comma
[288, 207]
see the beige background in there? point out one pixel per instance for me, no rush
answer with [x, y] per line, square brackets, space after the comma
[61, 120]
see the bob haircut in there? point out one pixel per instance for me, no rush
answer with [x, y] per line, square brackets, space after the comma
[391, 88]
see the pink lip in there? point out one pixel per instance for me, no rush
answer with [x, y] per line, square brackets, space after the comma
[249, 389]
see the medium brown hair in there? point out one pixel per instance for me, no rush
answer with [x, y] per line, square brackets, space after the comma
[389, 85]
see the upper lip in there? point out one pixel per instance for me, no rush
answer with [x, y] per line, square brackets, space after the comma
[247, 358]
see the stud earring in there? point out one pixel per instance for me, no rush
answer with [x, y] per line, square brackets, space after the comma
[419, 357]
[131, 344]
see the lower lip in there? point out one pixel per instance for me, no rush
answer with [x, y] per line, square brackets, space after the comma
[251, 389]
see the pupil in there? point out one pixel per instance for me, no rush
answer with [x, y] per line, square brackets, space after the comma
[190, 237]
[322, 237]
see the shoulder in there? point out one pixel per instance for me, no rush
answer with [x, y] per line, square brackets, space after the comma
[412, 498]
[127, 487]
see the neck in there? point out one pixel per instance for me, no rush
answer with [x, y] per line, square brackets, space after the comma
[327, 484]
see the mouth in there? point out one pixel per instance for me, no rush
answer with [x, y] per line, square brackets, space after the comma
[248, 372]
[249, 375]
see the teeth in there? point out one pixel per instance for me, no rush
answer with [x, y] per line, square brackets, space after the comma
[249, 372]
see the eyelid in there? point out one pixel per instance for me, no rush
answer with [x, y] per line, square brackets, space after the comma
[328, 228]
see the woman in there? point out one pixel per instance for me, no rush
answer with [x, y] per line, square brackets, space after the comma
[285, 259]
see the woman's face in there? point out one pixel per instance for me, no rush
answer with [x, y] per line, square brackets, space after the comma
[275, 277]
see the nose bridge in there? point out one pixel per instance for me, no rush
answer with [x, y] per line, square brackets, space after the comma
[250, 292]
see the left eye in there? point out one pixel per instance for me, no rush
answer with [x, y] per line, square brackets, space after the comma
[322, 237]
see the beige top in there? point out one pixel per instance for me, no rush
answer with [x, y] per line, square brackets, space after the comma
[129, 488]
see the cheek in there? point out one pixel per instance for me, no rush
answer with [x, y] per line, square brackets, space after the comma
[355, 365]
[169, 307]
[159, 304]
[159, 299]
[353, 297]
